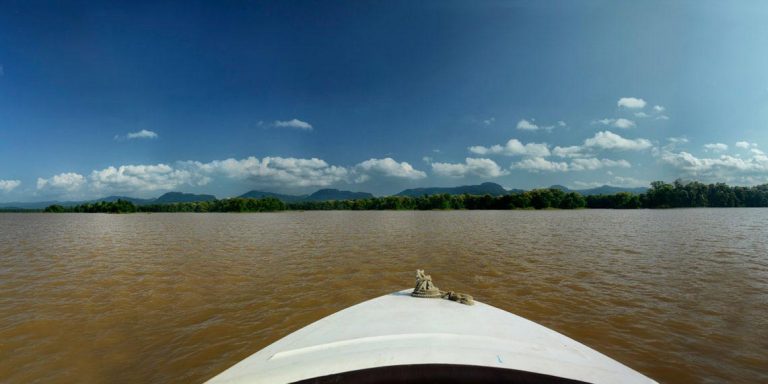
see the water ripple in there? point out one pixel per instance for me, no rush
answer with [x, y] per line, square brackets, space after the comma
[679, 295]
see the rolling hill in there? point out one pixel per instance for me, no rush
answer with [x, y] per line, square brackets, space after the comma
[492, 189]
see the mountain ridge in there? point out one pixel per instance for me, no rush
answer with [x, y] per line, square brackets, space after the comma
[326, 194]
[486, 188]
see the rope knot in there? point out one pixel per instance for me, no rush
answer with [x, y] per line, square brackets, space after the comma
[425, 288]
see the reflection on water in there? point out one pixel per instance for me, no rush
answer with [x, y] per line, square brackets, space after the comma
[680, 295]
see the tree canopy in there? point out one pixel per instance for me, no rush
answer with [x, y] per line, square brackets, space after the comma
[661, 195]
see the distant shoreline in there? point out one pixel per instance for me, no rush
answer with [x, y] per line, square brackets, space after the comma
[660, 195]
[41, 211]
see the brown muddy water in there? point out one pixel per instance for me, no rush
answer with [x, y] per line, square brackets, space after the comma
[679, 295]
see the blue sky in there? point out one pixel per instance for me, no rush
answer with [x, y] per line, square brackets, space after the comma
[142, 98]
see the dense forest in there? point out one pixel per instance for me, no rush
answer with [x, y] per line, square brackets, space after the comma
[660, 195]
[269, 204]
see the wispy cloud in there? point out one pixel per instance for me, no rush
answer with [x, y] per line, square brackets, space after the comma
[143, 134]
[293, 123]
[531, 125]
[618, 123]
[616, 181]
[570, 151]
[489, 121]
[656, 112]
[681, 140]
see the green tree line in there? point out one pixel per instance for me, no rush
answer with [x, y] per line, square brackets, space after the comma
[660, 195]
[269, 204]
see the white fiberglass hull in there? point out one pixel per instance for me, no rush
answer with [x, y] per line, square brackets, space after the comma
[400, 330]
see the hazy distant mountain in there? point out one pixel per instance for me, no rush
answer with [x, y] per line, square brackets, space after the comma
[170, 197]
[279, 196]
[43, 204]
[492, 189]
[180, 197]
[321, 195]
[335, 194]
[35, 205]
[603, 190]
[608, 190]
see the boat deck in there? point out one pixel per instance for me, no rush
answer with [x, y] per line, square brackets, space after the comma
[399, 336]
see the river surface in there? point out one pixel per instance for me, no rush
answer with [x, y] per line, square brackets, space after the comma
[679, 295]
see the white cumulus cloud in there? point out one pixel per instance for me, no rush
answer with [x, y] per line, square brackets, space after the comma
[513, 147]
[280, 171]
[590, 164]
[526, 125]
[724, 168]
[610, 140]
[9, 185]
[579, 164]
[536, 164]
[134, 178]
[68, 181]
[631, 103]
[293, 123]
[623, 123]
[386, 167]
[471, 166]
[716, 147]
[688, 162]
[745, 144]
